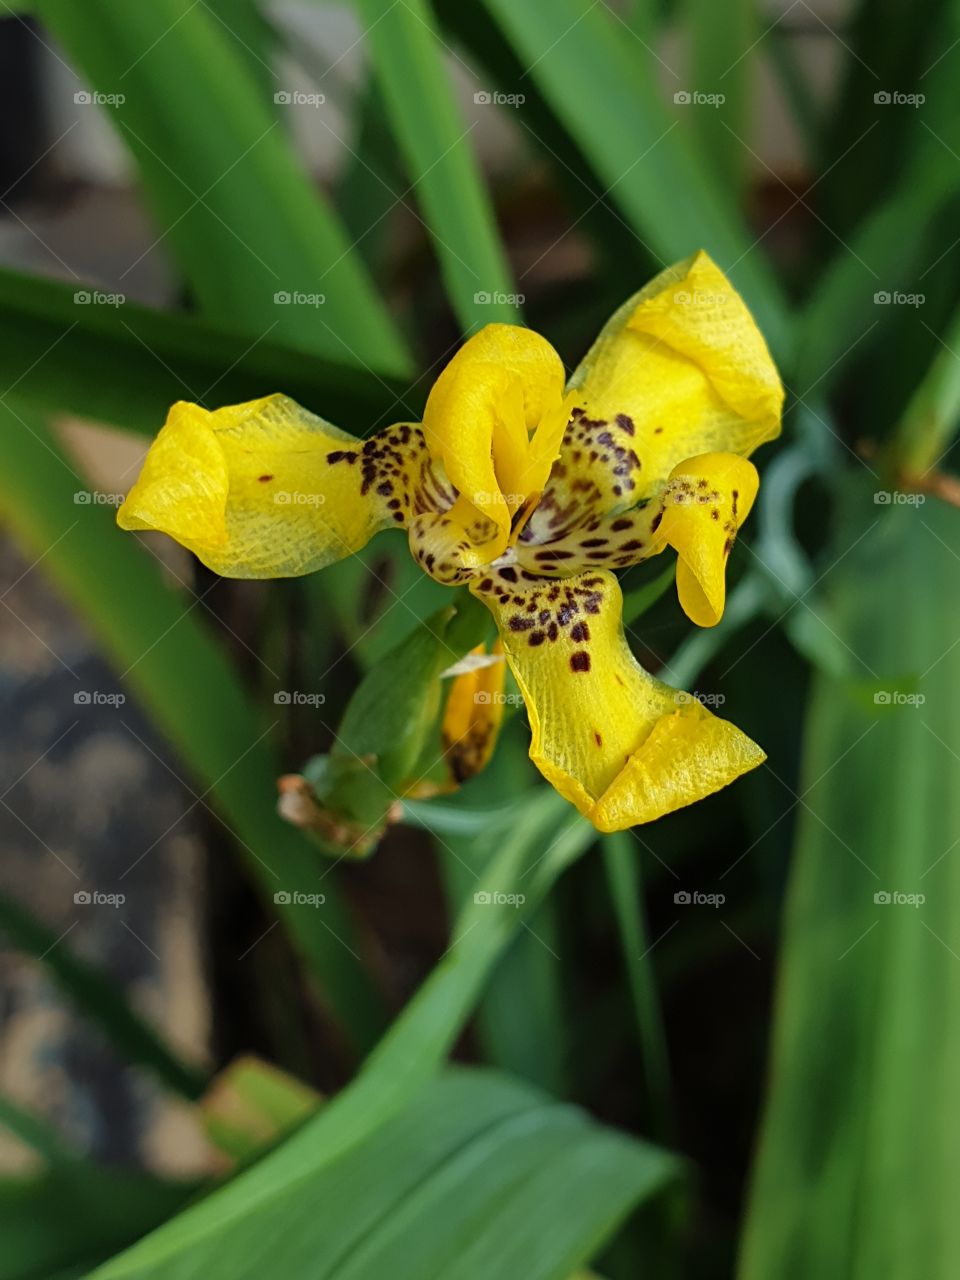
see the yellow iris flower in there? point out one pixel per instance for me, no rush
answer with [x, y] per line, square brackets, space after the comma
[531, 489]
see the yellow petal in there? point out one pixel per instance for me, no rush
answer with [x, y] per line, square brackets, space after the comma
[705, 502]
[471, 719]
[504, 382]
[622, 746]
[684, 361]
[267, 489]
[679, 370]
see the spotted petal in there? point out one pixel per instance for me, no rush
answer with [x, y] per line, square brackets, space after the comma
[705, 501]
[266, 489]
[680, 370]
[618, 743]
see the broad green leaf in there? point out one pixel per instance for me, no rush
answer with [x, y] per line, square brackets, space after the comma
[477, 1176]
[624, 129]
[50, 342]
[857, 1168]
[99, 998]
[183, 679]
[232, 200]
[238, 1216]
[725, 39]
[435, 141]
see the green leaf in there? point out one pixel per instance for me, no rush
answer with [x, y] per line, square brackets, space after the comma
[237, 1216]
[97, 996]
[74, 1215]
[623, 127]
[621, 859]
[725, 40]
[477, 1176]
[443, 172]
[230, 195]
[49, 343]
[932, 417]
[867, 1030]
[184, 680]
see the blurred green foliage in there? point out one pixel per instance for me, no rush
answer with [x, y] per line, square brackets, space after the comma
[641, 128]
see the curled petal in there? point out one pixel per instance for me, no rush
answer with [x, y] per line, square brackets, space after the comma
[618, 743]
[266, 489]
[504, 383]
[679, 370]
[705, 502]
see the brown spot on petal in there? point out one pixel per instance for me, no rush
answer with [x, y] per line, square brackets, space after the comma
[580, 661]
